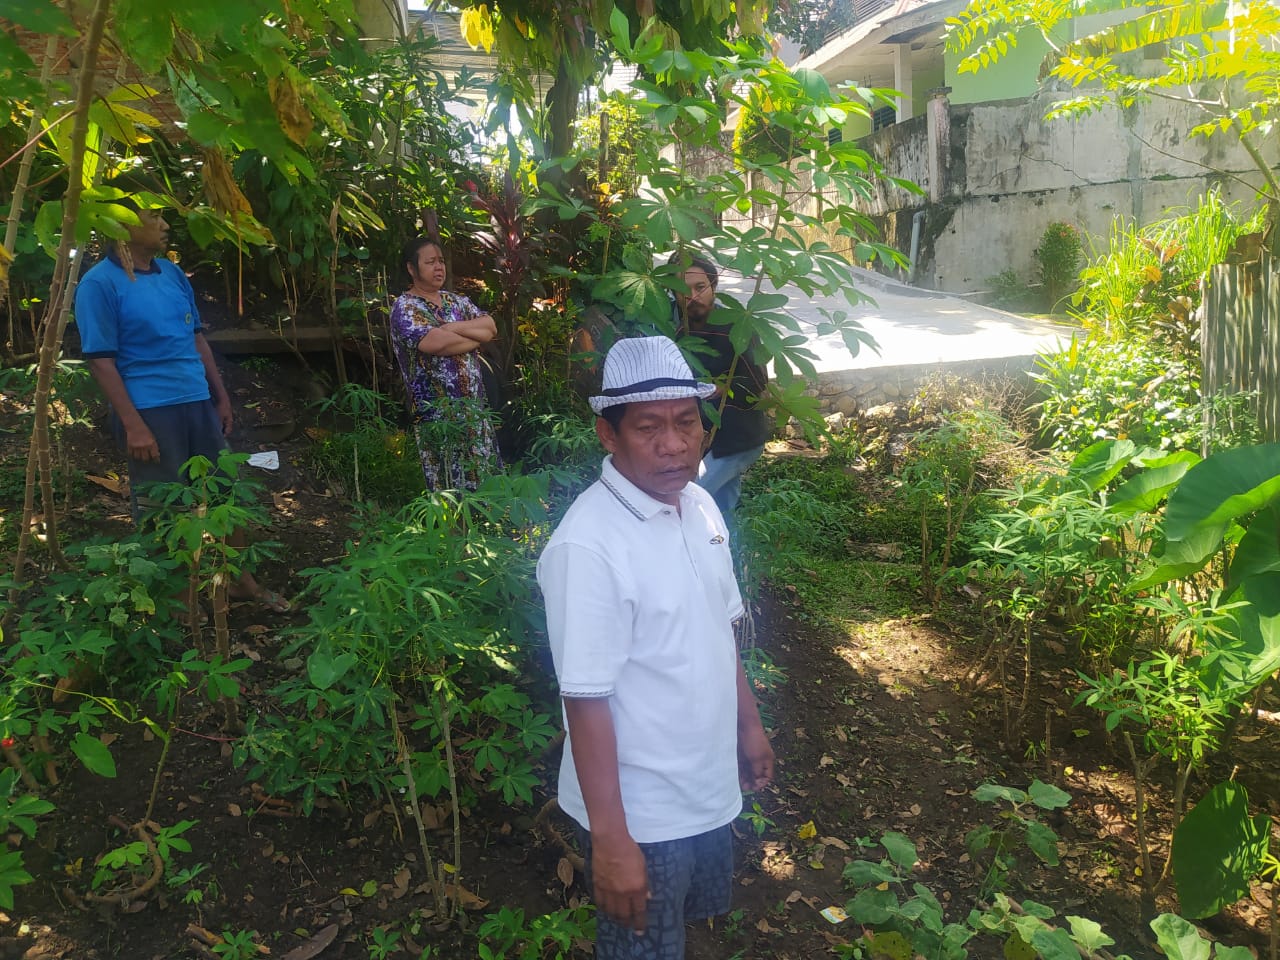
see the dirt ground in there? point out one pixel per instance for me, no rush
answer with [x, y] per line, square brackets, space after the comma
[874, 727]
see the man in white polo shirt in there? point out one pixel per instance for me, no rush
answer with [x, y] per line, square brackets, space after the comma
[663, 729]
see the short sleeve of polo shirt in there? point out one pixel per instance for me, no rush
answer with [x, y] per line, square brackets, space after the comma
[96, 318]
[589, 619]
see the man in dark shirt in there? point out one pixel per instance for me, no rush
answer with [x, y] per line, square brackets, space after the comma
[741, 381]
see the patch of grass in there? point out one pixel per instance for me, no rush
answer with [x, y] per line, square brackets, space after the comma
[861, 591]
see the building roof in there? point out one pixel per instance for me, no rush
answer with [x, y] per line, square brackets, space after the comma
[864, 53]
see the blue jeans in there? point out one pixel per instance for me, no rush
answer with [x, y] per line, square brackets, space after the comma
[722, 476]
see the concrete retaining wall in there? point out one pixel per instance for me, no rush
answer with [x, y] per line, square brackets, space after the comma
[853, 391]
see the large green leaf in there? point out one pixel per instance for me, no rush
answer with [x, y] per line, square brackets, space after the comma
[1143, 493]
[1246, 656]
[1259, 550]
[93, 754]
[1182, 558]
[872, 906]
[901, 850]
[1217, 849]
[1179, 939]
[1055, 944]
[1088, 934]
[1225, 486]
[1099, 463]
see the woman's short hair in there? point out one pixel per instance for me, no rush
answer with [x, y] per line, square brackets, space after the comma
[413, 248]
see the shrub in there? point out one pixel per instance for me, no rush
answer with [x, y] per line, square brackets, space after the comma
[1059, 256]
[1148, 279]
[1137, 389]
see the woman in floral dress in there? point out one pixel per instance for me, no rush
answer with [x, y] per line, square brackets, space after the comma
[436, 335]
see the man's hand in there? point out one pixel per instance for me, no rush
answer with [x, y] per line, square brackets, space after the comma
[142, 443]
[755, 758]
[225, 416]
[620, 881]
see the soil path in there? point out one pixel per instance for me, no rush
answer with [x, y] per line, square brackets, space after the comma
[872, 728]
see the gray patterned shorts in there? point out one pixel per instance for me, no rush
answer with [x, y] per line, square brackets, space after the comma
[689, 879]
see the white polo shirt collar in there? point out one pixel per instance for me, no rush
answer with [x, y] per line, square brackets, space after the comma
[638, 503]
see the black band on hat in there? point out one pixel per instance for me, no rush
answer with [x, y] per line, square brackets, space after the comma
[644, 386]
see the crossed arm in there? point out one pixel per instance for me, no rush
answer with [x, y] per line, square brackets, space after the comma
[460, 336]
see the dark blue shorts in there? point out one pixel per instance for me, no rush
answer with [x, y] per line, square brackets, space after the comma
[689, 879]
[182, 431]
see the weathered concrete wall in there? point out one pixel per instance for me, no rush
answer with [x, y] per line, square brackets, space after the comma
[1006, 174]
[853, 391]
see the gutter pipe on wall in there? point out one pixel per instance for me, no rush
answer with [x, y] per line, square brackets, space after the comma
[916, 219]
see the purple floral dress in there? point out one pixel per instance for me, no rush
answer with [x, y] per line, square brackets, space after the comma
[452, 422]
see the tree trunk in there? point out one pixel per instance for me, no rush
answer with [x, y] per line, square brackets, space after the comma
[24, 172]
[60, 292]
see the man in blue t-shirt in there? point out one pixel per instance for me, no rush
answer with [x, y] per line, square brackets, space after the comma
[140, 333]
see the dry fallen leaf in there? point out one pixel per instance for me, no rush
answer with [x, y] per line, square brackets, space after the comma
[834, 842]
[401, 883]
[234, 809]
[465, 897]
[763, 926]
[314, 946]
[826, 761]
[793, 896]
[564, 871]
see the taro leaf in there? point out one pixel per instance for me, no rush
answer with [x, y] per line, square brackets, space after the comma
[872, 906]
[324, 669]
[1178, 938]
[1099, 463]
[1043, 842]
[1033, 909]
[901, 850]
[1088, 934]
[1217, 848]
[1143, 493]
[1182, 557]
[1240, 659]
[94, 755]
[1225, 486]
[1232, 953]
[863, 872]
[1055, 944]
[1046, 796]
[1258, 552]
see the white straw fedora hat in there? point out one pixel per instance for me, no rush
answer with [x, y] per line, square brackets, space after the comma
[647, 368]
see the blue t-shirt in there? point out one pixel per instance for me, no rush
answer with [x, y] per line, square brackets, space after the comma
[148, 325]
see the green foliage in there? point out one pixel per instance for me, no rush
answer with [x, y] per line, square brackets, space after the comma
[1147, 280]
[18, 811]
[125, 865]
[1136, 389]
[507, 935]
[947, 468]
[429, 608]
[364, 455]
[1058, 255]
[786, 224]
[1217, 849]
[237, 945]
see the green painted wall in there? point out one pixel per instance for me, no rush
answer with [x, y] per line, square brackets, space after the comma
[922, 83]
[1014, 75]
[855, 128]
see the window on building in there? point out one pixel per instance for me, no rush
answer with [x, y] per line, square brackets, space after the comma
[834, 136]
[884, 117]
